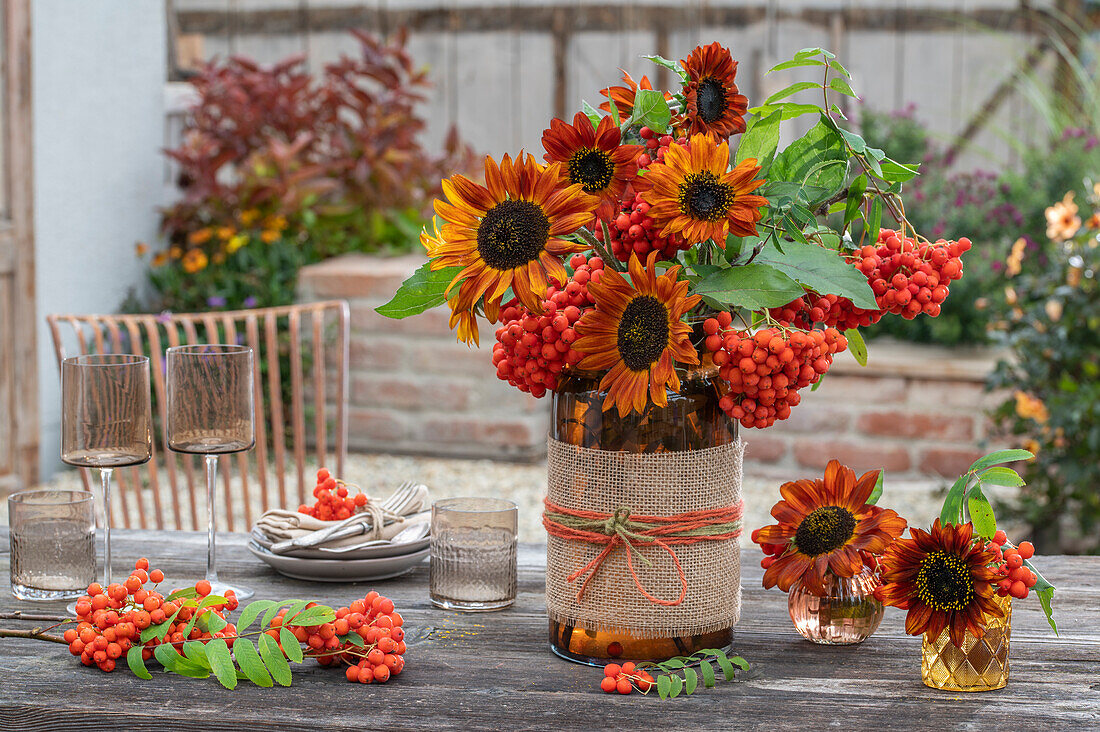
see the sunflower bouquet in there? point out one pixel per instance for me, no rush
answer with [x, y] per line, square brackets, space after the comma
[663, 230]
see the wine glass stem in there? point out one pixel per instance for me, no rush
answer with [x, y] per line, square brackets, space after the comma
[211, 478]
[105, 482]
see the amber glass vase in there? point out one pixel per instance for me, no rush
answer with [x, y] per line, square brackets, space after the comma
[981, 664]
[692, 420]
[847, 614]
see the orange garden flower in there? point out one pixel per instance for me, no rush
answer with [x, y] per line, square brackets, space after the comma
[943, 578]
[507, 234]
[269, 236]
[249, 216]
[1062, 219]
[593, 158]
[635, 332]
[694, 194]
[160, 259]
[200, 236]
[712, 101]
[1030, 407]
[194, 261]
[623, 96]
[825, 524]
[1014, 263]
[225, 232]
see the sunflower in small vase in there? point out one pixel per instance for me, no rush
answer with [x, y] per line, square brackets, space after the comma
[824, 553]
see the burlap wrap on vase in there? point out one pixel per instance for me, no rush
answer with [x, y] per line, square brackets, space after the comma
[656, 484]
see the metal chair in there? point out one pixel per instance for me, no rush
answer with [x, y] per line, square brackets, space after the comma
[312, 337]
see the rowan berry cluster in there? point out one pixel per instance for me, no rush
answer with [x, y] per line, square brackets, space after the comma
[633, 232]
[110, 620]
[655, 146]
[908, 278]
[764, 370]
[375, 654]
[1016, 578]
[334, 500]
[625, 678]
[532, 349]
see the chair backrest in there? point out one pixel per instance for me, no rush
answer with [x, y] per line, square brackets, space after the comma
[300, 343]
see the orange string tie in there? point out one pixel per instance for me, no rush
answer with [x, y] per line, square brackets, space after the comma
[621, 528]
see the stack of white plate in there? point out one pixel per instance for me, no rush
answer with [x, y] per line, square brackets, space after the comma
[323, 564]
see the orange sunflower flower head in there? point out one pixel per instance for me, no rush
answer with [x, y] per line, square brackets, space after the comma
[824, 525]
[635, 332]
[594, 158]
[712, 101]
[693, 193]
[624, 96]
[944, 578]
[507, 233]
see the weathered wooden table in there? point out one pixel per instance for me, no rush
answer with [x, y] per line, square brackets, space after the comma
[494, 670]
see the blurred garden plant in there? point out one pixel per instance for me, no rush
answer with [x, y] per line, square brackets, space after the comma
[279, 168]
[1051, 323]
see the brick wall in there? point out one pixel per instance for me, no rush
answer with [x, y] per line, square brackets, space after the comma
[413, 387]
[913, 410]
[916, 411]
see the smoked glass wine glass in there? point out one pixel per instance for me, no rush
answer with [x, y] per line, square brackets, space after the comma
[211, 413]
[105, 421]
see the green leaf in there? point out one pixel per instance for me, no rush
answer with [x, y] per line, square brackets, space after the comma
[423, 291]
[707, 670]
[814, 51]
[212, 623]
[651, 110]
[894, 172]
[740, 662]
[275, 660]
[670, 65]
[874, 223]
[594, 115]
[857, 345]
[1000, 456]
[981, 513]
[676, 686]
[877, 492]
[951, 513]
[292, 648]
[221, 662]
[855, 198]
[794, 88]
[760, 139]
[838, 84]
[818, 158]
[274, 609]
[789, 110]
[796, 63]
[252, 611]
[691, 680]
[312, 616]
[183, 593]
[171, 659]
[195, 651]
[753, 286]
[1045, 592]
[822, 270]
[1001, 475]
[249, 661]
[727, 667]
[137, 663]
[673, 664]
[839, 67]
[664, 686]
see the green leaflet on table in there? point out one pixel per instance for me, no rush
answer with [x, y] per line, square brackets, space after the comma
[672, 684]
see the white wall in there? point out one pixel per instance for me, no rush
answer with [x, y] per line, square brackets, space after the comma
[99, 74]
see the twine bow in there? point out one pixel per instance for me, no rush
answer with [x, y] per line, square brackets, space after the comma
[621, 528]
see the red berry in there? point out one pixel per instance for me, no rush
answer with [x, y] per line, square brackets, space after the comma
[608, 685]
[1026, 549]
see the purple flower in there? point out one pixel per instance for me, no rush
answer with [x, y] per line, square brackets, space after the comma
[165, 317]
[997, 265]
[250, 301]
[215, 301]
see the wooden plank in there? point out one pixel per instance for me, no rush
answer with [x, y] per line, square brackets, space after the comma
[494, 671]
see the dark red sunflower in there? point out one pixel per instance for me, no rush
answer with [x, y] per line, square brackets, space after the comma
[712, 101]
[594, 158]
[825, 524]
[943, 578]
[623, 96]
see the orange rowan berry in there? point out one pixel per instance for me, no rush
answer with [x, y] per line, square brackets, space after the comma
[608, 684]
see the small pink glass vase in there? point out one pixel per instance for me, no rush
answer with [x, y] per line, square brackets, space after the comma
[847, 614]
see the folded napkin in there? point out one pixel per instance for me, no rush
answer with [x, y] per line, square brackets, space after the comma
[279, 525]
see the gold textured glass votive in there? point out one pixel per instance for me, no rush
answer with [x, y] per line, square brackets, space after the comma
[980, 665]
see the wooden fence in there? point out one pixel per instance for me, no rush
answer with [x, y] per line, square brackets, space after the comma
[502, 68]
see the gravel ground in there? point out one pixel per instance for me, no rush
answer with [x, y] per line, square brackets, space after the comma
[918, 501]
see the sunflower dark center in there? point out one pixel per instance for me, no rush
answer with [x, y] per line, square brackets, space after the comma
[512, 233]
[643, 332]
[704, 197]
[944, 582]
[711, 100]
[825, 529]
[592, 168]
